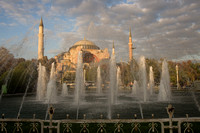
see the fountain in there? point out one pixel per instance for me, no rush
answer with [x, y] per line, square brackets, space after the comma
[113, 80]
[99, 88]
[119, 82]
[112, 85]
[164, 88]
[79, 83]
[51, 86]
[143, 78]
[41, 84]
[135, 88]
[64, 90]
[126, 102]
[25, 94]
[151, 80]
[129, 102]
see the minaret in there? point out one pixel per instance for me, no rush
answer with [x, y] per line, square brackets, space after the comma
[130, 45]
[41, 41]
[113, 49]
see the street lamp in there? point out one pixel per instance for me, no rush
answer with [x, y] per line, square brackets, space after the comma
[177, 77]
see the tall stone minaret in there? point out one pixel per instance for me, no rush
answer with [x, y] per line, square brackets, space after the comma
[41, 41]
[130, 45]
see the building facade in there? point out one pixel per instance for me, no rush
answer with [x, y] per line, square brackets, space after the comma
[91, 54]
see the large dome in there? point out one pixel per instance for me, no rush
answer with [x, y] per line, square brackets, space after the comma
[85, 44]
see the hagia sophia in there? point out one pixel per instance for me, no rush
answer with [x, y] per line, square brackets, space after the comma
[91, 52]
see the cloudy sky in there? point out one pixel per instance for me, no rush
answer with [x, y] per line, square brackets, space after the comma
[160, 28]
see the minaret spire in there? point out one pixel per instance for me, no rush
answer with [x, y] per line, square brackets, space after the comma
[130, 32]
[113, 48]
[41, 41]
[41, 22]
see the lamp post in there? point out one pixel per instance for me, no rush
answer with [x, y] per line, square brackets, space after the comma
[177, 77]
[84, 75]
[51, 112]
[170, 111]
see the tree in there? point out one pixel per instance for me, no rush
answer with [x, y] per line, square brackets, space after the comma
[6, 60]
[18, 78]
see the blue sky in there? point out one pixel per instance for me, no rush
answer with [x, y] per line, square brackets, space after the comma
[160, 28]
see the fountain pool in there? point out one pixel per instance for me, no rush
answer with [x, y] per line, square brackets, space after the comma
[94, 105]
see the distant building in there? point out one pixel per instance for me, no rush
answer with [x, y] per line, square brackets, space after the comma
[91, 54]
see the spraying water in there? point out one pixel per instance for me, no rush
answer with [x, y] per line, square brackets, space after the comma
[113, 80]
[41, 84]
[79, 82]
[20, 108]
[51, 86]
[141, 111]
[113, 85]
[64, 89]
[143, 77]
[165, 90]
[135, 87]
[99, 88]
[119, 82]
[151, 80]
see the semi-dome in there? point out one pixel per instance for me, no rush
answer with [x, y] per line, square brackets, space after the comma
[85, 44]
